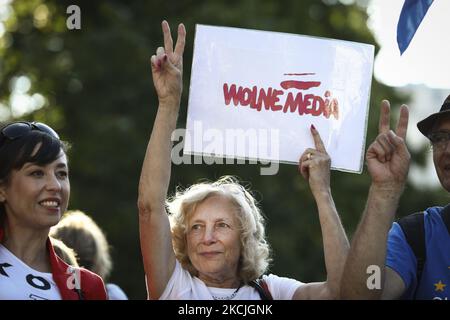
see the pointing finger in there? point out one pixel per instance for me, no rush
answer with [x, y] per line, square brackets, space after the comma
[317, 140]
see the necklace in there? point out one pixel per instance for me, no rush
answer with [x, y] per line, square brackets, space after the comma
[228, 297]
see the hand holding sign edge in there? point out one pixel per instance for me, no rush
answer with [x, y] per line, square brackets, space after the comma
[314, 165]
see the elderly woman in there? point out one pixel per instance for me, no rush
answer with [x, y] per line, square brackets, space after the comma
[216, 247]
[34, 193]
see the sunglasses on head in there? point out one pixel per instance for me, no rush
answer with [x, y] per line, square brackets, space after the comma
[17, 130]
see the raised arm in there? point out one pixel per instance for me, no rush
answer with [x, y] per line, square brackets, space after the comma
[315, 167]
[388, 164]
[154, 227]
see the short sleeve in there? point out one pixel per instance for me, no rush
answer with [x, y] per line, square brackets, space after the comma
[282, 288]
[400, 256]
[178, 281]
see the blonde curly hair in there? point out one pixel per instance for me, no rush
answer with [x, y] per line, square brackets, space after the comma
[79, 232]
[67, 254]
[255, 251]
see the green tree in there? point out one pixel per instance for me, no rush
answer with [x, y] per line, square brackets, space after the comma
[99, 96]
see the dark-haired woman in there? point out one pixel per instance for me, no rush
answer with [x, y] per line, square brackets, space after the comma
[34, 193]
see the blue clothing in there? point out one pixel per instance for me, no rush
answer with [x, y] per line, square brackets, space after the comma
[435, 281]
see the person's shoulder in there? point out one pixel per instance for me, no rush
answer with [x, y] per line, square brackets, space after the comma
[435, 210]
[90, 276]
[430, 211]
[271, 278]
[433, 214]
[92, 285]
[115, 292]
[282, 288]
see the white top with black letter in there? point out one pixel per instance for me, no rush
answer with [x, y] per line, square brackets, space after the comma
[20, 282]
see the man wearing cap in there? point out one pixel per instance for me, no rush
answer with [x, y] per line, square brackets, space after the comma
[384, 261]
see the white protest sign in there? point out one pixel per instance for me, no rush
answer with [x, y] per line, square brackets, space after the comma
[254, 95]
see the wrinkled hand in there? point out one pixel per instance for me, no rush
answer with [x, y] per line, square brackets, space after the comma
[314, 165]
[388, 157]
[167, 67]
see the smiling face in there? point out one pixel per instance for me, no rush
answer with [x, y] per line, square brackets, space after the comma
[213, 240]
[36, 196]
[441, 155]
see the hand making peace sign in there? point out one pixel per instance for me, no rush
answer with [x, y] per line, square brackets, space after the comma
[167, 67]
[388, 157]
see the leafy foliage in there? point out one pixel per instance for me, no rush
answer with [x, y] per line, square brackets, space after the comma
[100, 97]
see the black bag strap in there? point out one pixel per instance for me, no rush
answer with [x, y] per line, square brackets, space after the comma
[413, 227]
[263, 290]
[446, 217]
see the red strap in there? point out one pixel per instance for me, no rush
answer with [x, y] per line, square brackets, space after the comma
[91, 286]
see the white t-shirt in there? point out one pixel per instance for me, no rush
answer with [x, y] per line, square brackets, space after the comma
[183, 286]
[20, 282]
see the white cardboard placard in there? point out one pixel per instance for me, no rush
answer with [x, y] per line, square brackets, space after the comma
[254, 94]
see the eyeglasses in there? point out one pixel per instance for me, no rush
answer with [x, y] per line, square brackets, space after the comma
[17, 130]
[439, 139]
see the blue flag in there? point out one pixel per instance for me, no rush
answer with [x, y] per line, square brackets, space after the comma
[411, 16]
